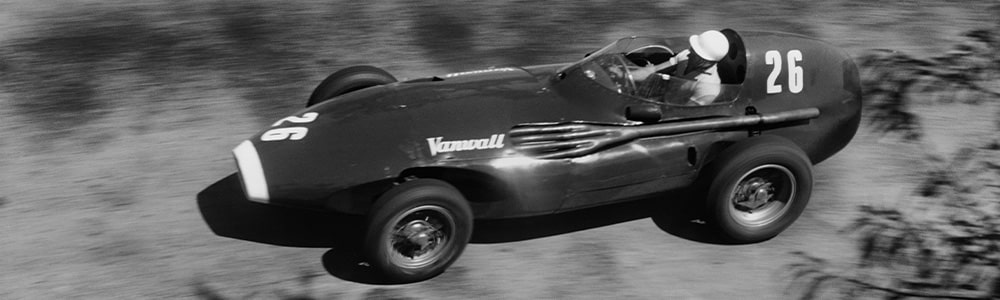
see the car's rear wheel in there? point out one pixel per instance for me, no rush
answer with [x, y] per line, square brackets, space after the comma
[417, 229]
[757, 188]
[348, 80]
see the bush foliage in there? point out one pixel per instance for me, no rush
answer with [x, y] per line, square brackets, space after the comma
[950, 249]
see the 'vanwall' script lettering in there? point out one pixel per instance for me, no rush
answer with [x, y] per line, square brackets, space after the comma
[438, 145]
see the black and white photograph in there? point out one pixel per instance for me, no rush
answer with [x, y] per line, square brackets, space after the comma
[509, 149]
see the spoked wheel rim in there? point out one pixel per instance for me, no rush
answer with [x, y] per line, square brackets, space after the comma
[762, 195]
[420, 236]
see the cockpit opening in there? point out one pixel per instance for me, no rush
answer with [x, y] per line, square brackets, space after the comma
[672, 71]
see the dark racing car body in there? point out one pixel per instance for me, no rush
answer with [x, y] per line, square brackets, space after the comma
[525, 141]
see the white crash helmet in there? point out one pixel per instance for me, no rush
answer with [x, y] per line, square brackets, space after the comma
[711, 45]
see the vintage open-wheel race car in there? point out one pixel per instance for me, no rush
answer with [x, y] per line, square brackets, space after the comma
[424, 159]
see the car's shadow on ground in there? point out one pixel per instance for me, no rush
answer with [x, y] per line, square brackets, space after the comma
[666, 211]
[229, 214]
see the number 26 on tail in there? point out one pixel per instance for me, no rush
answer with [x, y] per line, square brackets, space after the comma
[773, 58]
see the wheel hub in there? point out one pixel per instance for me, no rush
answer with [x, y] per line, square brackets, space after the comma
[762, 195]
[753, 194]
[417, 238]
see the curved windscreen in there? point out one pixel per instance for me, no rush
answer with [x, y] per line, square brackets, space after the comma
[654, 69]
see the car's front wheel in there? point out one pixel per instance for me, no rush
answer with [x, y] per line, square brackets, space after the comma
[417, 229]
[348, 80]
[757, 188]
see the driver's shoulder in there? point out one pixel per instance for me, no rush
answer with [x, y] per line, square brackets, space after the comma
[710, 75]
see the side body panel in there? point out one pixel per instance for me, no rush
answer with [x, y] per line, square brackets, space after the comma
[363, 142]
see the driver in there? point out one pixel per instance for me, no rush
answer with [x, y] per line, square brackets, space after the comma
[697, 64]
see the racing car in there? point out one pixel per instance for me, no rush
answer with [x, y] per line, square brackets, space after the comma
[422, 160]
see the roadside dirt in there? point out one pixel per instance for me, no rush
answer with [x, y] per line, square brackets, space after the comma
[106, 140]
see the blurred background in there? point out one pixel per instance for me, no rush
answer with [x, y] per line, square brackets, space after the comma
[114, 114]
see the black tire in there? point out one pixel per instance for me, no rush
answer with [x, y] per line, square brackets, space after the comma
[416, 230]
[778, 174]
[348, 80]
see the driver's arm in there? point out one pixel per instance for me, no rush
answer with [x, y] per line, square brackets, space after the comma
[673, 61]
[644, 72]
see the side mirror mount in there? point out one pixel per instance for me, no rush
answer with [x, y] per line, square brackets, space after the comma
[645, 113]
